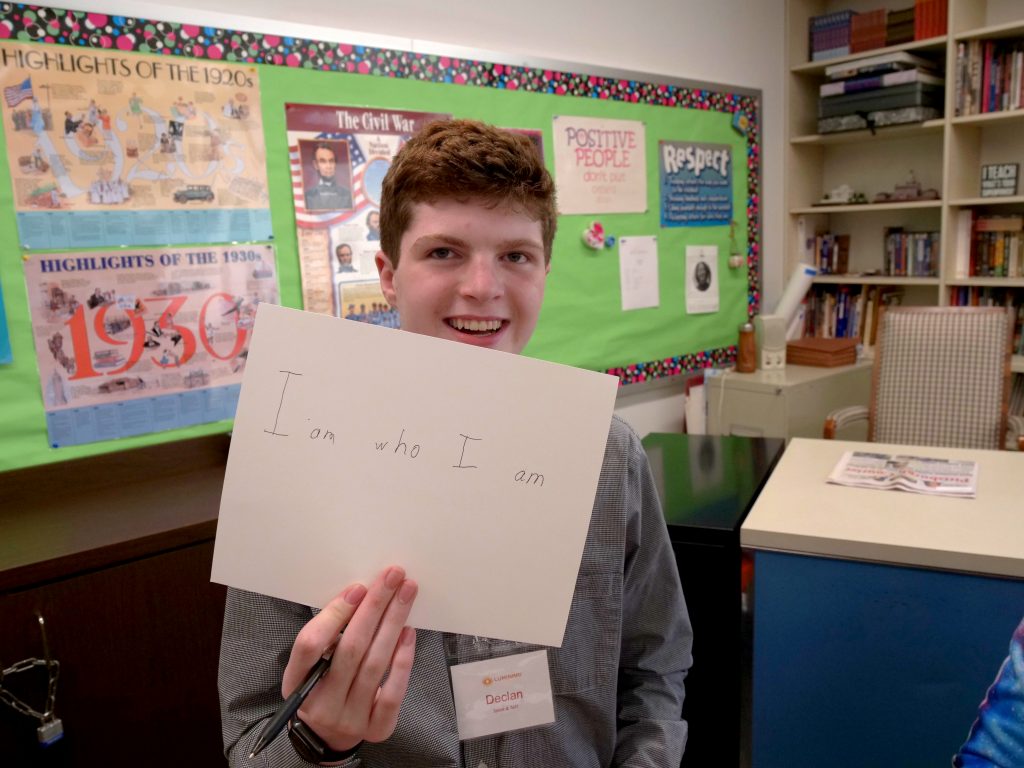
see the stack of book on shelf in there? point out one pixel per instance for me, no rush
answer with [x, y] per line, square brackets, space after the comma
[931, 18]
[989, 246]
[899, 26]
[989, 76]
[843, 312]
[823, 353]
[830, 35]
[844, 32]
[888, 89]
[910, 254]
[988, 296]
[831, 253]
[834, 314]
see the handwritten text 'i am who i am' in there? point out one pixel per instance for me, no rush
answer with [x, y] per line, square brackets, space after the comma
[324, 434]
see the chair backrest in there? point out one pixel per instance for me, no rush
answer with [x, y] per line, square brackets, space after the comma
[942, 376]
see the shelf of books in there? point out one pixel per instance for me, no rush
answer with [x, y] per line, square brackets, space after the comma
[906, 140]
[850, 310]
[987, 70]
[988, 269]
[988, 245]
[866, 127]
[846, 311]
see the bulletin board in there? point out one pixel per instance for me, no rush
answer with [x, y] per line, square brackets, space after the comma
[582, 322]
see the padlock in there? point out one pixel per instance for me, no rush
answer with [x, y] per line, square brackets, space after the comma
[50, 732]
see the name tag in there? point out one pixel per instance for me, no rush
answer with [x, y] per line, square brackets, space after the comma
[503, 694]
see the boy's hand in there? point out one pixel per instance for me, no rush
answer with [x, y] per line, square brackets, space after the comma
[349, 704]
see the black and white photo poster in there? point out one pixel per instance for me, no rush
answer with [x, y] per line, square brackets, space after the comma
[701, 279]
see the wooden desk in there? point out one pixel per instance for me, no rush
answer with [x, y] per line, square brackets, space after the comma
[115, 553]
[707, 484]
[880, 617]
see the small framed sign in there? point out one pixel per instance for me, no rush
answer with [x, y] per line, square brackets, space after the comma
[999, 180]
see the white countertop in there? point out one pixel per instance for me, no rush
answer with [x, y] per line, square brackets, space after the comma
[799, 512]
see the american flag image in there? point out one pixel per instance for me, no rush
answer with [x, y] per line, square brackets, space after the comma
[320, 219]
[15, 94]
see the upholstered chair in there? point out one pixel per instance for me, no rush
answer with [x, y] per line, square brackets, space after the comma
[942, 378]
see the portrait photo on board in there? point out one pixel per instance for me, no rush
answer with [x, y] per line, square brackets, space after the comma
[326, 175]
[701, 279]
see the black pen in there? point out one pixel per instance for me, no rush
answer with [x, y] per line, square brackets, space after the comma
[292, 703]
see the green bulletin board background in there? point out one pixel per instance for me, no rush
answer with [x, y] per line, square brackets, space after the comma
[581, 323]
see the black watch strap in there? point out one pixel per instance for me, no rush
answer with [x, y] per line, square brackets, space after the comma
[311, 748]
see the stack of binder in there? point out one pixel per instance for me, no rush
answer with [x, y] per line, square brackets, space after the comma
[822, 353]
[887, 89]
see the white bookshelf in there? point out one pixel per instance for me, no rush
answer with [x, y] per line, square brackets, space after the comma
[945, 154]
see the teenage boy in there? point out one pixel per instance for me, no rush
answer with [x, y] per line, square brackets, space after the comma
[467, 222]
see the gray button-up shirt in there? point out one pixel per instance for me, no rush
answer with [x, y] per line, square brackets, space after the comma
[617, 679]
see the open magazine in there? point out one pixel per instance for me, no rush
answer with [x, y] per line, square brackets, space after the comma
[940, 477]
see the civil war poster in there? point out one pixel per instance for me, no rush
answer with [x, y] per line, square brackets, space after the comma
[338, 157]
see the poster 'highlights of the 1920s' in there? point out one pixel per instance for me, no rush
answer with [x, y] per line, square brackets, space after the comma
[135, 341]
[338, 157]
[111, 148]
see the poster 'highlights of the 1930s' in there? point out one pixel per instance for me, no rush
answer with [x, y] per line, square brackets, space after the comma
[135, 341]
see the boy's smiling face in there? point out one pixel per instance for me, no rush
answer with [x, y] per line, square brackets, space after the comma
[468, 272]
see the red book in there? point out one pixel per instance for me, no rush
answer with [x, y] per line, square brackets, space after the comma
[922, 9]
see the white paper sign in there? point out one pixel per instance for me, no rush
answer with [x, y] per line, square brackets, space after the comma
[600, 165]
[638, 272]
[356, 447]
[701, 279]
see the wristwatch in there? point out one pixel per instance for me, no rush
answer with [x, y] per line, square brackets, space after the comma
[311, 748]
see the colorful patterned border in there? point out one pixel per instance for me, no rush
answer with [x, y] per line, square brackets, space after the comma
[32, 23]
[674, 366]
